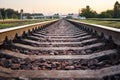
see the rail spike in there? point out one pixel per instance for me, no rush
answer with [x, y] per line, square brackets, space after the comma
[33, 30]
[36, 29]
[6, 41]
[24, 34]
[11, 42]
[102, 36]
[91, 30]
[29, 32]
[17, 38]
[109, 40]
[95, 33]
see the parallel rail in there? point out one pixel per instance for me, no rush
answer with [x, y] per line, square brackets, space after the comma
[103, 31]
[11, 32]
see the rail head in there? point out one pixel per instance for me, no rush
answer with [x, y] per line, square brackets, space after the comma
[106, 32]
[11, 32]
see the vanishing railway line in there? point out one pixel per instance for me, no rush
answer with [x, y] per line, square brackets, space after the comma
[63, 50]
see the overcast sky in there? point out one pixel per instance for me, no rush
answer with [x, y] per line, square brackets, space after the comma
[57, 6]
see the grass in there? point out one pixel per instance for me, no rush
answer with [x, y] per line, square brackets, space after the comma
[8, 25]
[115, 24]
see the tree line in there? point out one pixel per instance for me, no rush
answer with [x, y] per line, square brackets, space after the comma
[89, 13]
[9, 13]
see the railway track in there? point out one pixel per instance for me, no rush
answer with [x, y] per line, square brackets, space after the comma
[60, 51]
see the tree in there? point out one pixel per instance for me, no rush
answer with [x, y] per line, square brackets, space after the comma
[14, 16]
[106, 14]
[88, 13]
[8, 13]
[2, 13]
[11, 12]
[117, 10]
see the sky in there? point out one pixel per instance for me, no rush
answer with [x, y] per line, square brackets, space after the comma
[57, 6]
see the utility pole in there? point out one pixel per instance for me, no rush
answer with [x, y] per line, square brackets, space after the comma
[21, 14]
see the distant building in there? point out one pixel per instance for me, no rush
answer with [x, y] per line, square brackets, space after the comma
[37, 16]
[56, 16]
[75, 16]
[80, 17]
[63, 16]
[69, 16]
[33, 16]
[26, 16]
[49, 17]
